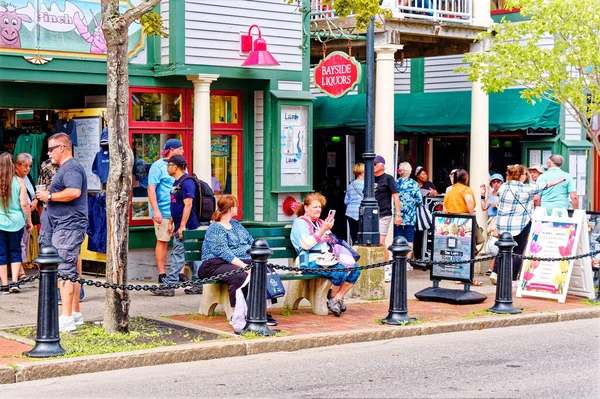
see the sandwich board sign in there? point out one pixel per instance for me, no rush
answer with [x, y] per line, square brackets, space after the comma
[556, 236]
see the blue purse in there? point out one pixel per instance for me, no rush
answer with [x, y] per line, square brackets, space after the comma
[275, 287]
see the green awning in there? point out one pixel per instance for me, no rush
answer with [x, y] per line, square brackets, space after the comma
[441, 112]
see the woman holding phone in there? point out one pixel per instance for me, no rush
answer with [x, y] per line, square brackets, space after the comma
[310, 237]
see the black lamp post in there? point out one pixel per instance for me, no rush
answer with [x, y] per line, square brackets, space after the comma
[368, 219]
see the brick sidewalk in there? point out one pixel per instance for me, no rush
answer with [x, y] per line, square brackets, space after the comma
[366, 315]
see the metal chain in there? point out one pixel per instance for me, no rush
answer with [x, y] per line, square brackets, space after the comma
[572, 257]
[424, 262]
[20, 282]
[131, 287]
[328, 270]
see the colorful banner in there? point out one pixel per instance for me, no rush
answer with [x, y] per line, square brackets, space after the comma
[453, 241]
[59, 27]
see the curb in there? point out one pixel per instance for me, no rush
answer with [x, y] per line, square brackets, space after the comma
[216, 350]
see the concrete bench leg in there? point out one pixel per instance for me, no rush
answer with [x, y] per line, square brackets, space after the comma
[314, 291]
[213, 295]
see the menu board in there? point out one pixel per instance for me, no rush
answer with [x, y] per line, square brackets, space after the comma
[294, 145]
[556, 236]
[453, 240]
[88, 140]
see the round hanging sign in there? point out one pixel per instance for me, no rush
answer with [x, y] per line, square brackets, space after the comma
[337, 74]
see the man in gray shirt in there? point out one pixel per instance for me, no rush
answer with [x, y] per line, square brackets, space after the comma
[68, 212]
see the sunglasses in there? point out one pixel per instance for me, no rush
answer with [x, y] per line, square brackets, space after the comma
[54, 147]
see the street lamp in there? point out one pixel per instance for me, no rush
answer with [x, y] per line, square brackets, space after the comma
[368, 219]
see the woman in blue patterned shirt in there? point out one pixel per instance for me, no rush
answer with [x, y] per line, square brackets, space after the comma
[353, 198]
[410, 198]
[224, 250]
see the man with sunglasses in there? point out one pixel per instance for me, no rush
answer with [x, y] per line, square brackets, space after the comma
[67, 210]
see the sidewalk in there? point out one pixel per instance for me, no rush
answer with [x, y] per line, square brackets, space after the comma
[299, 329]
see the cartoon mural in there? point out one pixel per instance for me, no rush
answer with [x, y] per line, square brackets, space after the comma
[10, 23]
[59, 27]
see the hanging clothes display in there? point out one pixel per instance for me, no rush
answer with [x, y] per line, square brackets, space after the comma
[96, 230]
[31, 143]
[68, 127]
[101, 164]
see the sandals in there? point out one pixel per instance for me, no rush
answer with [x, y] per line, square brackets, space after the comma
[22, 276]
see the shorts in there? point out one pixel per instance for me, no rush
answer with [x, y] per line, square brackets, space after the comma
[68, 245]
[407, 232]
[384, 225]
[162, 230]
[10, 246]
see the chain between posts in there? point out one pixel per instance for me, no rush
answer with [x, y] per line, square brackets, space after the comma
[572, 257]
[416, 262]
[20, 282]
[131, 287]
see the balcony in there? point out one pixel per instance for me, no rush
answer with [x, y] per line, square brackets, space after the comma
[453, 11]
[424, 28]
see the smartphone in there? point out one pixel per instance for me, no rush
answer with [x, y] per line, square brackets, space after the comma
[331, 214]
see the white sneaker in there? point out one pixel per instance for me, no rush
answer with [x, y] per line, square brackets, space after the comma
[78, 318]
[66, 323]
[494, 278]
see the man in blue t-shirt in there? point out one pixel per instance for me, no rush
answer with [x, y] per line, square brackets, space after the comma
[183, 217]
[159, 196]
[561, 194]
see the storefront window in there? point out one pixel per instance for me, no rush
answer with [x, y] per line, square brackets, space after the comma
[156, 107]
[225, 153]
[224, 109]
[146, 150]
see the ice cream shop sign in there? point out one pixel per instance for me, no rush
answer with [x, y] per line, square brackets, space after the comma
[337, 74]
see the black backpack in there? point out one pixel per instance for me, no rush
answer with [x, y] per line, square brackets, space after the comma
[206, 204]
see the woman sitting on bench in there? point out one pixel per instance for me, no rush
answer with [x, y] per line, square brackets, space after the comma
[224, 249]
[310, 236]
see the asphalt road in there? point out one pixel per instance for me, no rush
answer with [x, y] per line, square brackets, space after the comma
[559, 360]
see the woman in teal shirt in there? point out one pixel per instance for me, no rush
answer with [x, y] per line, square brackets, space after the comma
[14, 217]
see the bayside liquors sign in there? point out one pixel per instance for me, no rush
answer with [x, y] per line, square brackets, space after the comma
[337, 74]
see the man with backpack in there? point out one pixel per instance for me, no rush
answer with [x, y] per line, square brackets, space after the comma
[184, 201]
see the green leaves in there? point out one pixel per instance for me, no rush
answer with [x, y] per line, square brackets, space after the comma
[555, 55]
[153, 26]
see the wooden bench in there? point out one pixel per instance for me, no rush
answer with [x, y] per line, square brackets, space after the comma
[300, 286]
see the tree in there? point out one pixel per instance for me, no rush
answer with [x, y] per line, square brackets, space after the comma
[568, 73]
[115, 27]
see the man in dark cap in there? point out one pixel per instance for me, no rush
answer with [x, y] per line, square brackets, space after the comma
[386, 190]
[183, 217]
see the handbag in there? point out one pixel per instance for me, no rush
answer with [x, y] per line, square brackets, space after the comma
[344, 256]
[275, 287]
[327, 259]
[424, 218]
[335, 240]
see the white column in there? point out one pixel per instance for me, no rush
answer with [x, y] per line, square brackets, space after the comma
[479, 149]
[384, 105]
[482, 13]
[201, 147]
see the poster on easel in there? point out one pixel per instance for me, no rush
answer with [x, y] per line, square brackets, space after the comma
[556, 236]
[593, 220]
[453, 241]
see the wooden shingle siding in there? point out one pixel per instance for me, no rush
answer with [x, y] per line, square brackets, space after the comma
[212, 34]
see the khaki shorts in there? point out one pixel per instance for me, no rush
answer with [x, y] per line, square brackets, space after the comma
[162, 230]
[384, 225]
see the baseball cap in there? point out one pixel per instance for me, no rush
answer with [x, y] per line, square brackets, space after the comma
[497, 176]
[419, 170]
[537, 167]
[453, 171]
[178, 160]
[104, 136]
[379, 159]
[171, 144]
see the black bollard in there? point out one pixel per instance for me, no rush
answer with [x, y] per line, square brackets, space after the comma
[504, 302]
[256, 320]
[398, 311]
[47, 340]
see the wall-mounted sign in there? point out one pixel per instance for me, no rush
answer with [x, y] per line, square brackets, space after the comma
[294, 145]
[337, 74]
[59, 27]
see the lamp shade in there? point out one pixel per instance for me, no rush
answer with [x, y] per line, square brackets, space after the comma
[259, 56]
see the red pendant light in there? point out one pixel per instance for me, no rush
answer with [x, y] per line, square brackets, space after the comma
[259, 56]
